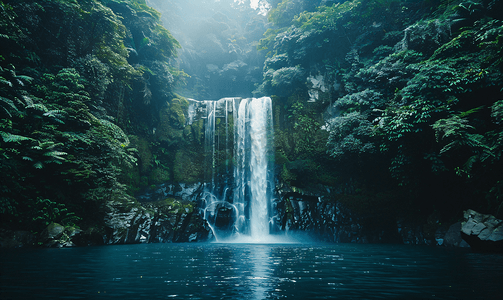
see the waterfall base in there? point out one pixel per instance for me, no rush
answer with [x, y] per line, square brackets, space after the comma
[238, 145]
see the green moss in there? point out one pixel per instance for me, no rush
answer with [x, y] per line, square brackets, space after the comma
[133, 179]
[286, 175]
[143, 147]
[159, 175]
[188, 167]
[197, 130]
[280, 158]
[172, 205]
[170, 126]
[143, 181]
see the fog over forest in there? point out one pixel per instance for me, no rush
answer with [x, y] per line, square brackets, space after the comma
[218, 40]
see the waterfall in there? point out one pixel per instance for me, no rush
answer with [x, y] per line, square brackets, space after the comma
[239, 203]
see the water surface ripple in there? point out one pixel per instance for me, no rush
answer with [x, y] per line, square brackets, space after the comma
[250, 271]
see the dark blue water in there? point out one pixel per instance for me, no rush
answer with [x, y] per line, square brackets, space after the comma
[248, 271]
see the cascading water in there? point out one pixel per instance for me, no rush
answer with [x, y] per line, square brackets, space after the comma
[238, 204]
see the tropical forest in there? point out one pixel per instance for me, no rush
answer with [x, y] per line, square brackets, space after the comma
[385, 119]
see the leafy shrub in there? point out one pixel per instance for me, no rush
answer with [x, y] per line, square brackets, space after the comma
[350, 134]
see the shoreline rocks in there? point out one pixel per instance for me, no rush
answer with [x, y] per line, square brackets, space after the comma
[484, 233]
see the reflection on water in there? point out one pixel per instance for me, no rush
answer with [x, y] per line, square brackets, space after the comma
[260, 260]
[250, 271]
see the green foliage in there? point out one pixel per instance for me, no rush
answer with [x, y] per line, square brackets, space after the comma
[7, 106]
[13, 138]
[327, 17]
[186, 168]
[63, 140]
[267, 43]
[159, 175]
[415, 92]
[46, 211]
[10, 32]
[455, 131]
[44, 153]
[360, 101]
[171, 205]
[281, 81]
[140, 6]
[399, 122]
[300, 142]
[457, 137]
[166, 44]
[286, 76]
[399, 168]
[63, 88]
[284, 12]
[350, 134]
[497, 111]
[94, 75]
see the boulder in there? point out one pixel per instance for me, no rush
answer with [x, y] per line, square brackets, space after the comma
[56, 235]
[484, 233]
[452, 237]
[168, 220]
[53, 231]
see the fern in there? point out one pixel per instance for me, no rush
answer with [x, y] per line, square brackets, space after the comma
[5, 82]
[56, 115]
[27, 100]
[471, 111]
[452, 127]
[5, 104]
[19, 79]
[497, 111]
[14, 138]
[55, 155]
[45, 153]
[473, 141]
[116, 132]
[455, 130]
[38, 107]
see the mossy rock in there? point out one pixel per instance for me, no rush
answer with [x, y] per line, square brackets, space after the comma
[188, 168]
[133, 179]
[170, 126]
[159, 175]
[171, 206]
[143, 147]
[197, 131]
[177, 109]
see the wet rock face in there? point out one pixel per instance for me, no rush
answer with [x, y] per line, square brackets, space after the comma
[164, 214]
[164, 221]
[482, 232]
[189, 192]
[321, 219]
[452, 237]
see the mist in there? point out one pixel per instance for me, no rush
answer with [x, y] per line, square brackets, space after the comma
[218, 40]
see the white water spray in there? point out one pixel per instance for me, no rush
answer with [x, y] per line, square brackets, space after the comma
[252, 182]
[260, 122]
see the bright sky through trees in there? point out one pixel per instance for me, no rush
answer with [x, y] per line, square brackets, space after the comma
[262, 5]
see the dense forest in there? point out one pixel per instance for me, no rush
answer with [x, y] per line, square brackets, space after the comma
[395, 106]
[396, 103]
